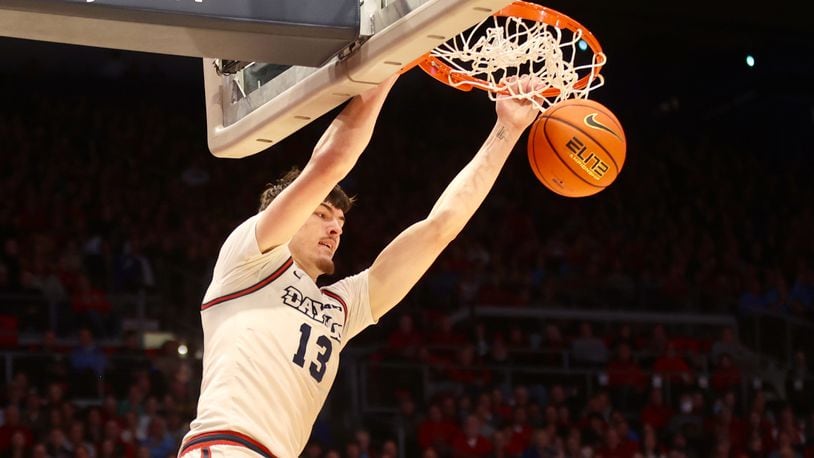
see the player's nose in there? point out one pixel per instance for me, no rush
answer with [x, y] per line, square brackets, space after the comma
[334, 228]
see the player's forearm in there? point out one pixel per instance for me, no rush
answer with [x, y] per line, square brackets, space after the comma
[350, 132]
[399, 266]
[469, 188]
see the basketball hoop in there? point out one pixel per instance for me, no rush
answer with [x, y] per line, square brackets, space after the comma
[521, 39]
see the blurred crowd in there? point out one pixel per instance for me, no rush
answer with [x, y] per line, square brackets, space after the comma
[627, 393]
[108, 201]
[85, 400]
[111, 201]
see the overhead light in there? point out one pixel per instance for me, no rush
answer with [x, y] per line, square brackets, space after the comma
[750, 60]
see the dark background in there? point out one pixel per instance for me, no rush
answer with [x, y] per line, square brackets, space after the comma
[719, 166]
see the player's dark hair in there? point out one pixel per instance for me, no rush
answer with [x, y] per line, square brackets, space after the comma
[336, 197]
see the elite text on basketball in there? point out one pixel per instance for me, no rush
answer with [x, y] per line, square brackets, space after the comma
[587, 160]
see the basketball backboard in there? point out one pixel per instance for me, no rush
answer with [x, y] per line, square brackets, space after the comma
[270, 66]
[248, 30]
[251, 106]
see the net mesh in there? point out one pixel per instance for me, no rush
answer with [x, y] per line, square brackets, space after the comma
[502, 47]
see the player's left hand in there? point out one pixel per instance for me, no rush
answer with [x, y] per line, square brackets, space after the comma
[517, 112]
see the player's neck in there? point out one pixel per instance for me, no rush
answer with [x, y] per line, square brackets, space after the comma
[312, 271]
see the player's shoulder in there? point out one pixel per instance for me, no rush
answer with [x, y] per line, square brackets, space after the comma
[347, 287]
[359, 276]
[245, 228]
[241, 251]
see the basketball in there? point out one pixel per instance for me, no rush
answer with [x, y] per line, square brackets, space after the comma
[576, 147]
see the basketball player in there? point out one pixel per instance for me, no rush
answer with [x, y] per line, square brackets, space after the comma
[272, 338]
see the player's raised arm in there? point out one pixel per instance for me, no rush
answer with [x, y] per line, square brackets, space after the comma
[402, 263]
[334, 156]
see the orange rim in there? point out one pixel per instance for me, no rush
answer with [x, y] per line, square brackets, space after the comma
[439, 70]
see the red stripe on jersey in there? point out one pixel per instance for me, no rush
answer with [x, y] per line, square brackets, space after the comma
[275, 275]
[339, 299]
[206, 440]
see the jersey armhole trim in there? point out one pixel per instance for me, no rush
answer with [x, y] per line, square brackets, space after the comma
[339, 299]
[245, 291]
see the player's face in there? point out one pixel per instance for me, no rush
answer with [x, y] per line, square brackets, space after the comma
[314, 245]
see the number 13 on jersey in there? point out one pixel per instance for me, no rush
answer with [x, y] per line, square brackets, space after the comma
[316, 368]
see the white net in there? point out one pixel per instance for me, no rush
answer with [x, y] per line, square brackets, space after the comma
[502, 47]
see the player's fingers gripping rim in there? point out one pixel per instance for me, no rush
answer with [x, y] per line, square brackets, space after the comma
[523, 87]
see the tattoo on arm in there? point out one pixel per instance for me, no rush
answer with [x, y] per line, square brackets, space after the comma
[501, 133]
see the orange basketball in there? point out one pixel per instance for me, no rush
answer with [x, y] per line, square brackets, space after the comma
[576, 147]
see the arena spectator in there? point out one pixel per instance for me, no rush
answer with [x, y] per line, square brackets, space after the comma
[622, 335]
[467, 372]
[593, 430]
[33, 414]
[58, 445]
[626, 380]
[404, 342]
[799, 383]
[408, 422]
[801, 296]
[588, 350]
[470, 443]
[481, 340]
[444, 334]
[94, 425]
[656, 345]
[352, 450]
[656, 413]
[88, 364]
[777, 292]
[542, 445]
[671, 367]
[389, 449]
[76, 439]
[430, 453]
[726, 375]
[688, 421]
[650, 444]
[363, 440]
[752, 298]
[158, 440]
[167, 361]
[499, 355]
[519, 432]
[19, 448]
[92, 308]
[629, 440]
[53, 365]
[790, 428]
[613, 447]
[573, 444]
[784, 448]
[12, 424]
[116, 445]
[728, 428]
[728, 343]
[553, 345]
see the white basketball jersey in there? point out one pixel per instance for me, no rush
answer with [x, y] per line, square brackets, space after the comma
[271, 343]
